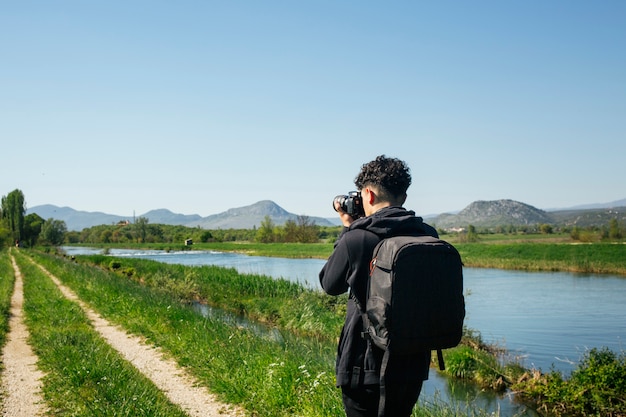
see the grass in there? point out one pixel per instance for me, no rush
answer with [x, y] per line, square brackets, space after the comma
[598, 258]
[7, 281]
[278, 302]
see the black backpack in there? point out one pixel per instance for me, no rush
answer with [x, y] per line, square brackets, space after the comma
[415, 299]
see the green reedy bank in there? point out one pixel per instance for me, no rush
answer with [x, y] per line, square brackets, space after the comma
[278, 302]
[596, 258]
[511, 253]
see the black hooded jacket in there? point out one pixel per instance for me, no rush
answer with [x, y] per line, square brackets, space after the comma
[347, 268]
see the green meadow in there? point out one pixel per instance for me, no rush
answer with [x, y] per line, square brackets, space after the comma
[596, 258]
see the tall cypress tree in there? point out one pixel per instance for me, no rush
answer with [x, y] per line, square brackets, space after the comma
[13, 211]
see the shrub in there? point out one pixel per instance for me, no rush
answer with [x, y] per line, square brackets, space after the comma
[597, 387]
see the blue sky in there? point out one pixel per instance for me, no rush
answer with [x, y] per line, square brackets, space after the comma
[202, 106]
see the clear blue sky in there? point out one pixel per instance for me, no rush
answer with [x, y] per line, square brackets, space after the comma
[201, 106]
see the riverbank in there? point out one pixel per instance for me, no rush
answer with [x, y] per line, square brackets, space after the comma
[537, 254]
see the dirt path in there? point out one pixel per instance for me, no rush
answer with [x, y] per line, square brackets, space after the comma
[179, 387]
[21, 380]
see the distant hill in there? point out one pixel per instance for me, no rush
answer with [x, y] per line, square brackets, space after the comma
[236, 218]
[251, 216]
[164, 216]
[75, 220]
[493, 213]
[509, 212]
[589, 217]
[612, 204]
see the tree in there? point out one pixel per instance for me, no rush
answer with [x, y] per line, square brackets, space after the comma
[53, 231]
[614, 229]
[142, 228]
[206, 236]
[290, 231]
[32, 228]
[5, 237]
[546, 229]
[265, 234]
[307, 230]
[13, 210]
[471, 235]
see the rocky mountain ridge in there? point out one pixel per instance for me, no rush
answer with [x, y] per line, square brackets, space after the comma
[490, 214]
[494, 213]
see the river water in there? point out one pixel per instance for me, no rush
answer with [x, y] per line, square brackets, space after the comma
[546, 320]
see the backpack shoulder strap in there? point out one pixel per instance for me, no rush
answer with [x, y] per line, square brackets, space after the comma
[364, 319]
[382, 394]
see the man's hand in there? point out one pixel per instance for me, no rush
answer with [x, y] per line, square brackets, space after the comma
[346, 219]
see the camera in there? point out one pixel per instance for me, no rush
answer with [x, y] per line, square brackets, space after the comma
[351, 204]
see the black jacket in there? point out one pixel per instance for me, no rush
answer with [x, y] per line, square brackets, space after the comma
[347, 268]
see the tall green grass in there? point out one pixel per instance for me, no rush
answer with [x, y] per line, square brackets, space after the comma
[7, 282]
[84, 375]
[278, 302]
[601, 258]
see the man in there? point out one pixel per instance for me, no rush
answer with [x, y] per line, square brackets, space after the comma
[382, 183]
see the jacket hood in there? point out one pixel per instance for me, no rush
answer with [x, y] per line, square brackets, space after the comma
[390, 221]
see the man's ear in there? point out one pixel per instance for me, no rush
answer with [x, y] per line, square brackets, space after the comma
[371, 196]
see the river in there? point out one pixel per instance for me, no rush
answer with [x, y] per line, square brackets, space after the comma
[547, 320]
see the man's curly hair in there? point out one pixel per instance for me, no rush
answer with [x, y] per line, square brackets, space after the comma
[391, 176]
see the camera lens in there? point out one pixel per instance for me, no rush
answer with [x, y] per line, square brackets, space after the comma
[341, 199]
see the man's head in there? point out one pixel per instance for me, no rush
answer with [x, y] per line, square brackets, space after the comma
[385, 180]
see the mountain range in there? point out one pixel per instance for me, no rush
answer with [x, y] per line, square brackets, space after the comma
[236, 218]
[479, 214]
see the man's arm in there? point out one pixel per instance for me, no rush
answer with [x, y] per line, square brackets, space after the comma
[334, 274]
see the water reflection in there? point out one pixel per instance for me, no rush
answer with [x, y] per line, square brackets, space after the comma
[466, 398]
[257, 329]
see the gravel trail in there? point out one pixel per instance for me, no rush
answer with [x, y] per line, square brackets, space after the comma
[21, 379]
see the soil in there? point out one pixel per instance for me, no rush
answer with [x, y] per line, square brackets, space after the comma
[21, 380]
